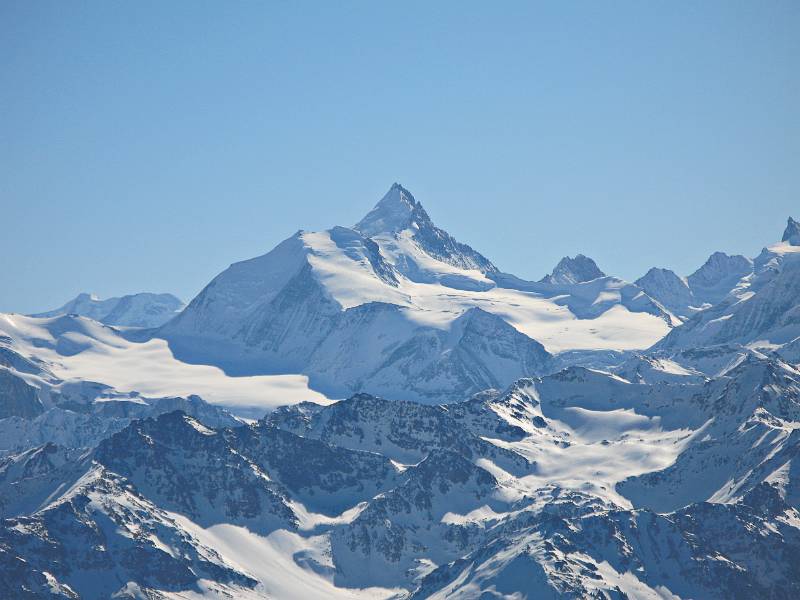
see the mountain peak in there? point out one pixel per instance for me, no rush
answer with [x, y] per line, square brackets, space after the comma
[396, 211]
[86, 296]
[720, 266]
[669, 289]
[792, 232]
[574, 270]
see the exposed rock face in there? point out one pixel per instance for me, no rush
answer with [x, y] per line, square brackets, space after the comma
[17, 398]
[99, 535]
[792, 232]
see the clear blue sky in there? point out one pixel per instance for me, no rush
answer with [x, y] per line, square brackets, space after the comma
[147, 145]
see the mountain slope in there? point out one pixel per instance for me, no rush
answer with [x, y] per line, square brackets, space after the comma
[791, 234]
[526, 446]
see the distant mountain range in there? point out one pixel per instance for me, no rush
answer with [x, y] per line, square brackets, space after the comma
[134, 310]
[379, 411]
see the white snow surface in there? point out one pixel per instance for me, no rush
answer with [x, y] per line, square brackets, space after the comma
[95, 352]
[285, 564]
[436, 301]
[437, 295]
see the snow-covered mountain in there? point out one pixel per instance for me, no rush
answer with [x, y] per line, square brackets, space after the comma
[397, 306]
[398, 219]
[134, 310]
[575, 437]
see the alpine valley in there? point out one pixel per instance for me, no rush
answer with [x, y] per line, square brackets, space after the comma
[379, 411]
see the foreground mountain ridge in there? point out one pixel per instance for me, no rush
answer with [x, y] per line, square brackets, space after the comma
[376, 498]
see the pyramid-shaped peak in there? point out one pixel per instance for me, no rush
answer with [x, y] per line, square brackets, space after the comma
[792, 232]
[396, 211]
[574, 270]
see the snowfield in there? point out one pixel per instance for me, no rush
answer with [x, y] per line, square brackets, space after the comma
[76, 348]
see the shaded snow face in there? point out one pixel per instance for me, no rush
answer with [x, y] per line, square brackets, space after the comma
[82, 361]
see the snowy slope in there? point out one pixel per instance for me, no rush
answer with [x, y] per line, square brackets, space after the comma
[74, 349]
[38, 407]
